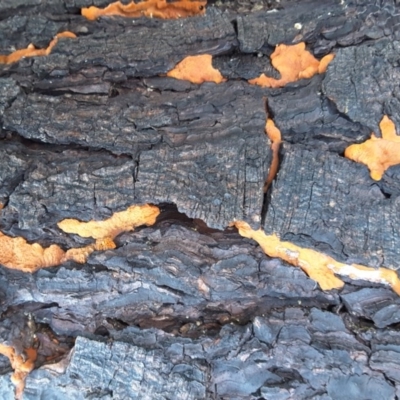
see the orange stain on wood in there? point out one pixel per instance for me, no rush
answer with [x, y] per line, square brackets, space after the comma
[16, 253]
[274, 135]
[378, 154]
[32, 51]
[197, 69]
[317, 266]
[21, 364]
[293, 62]
[149, 8]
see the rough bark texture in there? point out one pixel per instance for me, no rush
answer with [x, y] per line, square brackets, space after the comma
[310, 206]
[186, 308]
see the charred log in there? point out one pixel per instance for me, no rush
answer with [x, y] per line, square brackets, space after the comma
[187, 308]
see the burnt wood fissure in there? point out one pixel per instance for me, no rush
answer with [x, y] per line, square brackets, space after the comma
[187, 308]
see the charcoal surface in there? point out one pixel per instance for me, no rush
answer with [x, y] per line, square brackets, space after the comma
[187, 308]
[242, 361]
[309, 206]
[367, 86]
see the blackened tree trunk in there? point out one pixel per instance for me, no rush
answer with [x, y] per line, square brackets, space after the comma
[186, 308]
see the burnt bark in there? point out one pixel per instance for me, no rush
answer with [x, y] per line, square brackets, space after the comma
[187, 308]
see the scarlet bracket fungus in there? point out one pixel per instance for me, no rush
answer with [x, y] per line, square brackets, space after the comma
[32, 51]
[150, 8]
[378, 154]
[293, 62]
[196, 69]
[317, 266]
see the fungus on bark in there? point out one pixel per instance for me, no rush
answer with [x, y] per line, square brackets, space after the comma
[196, 69]
[16, 253]
[275, 136]
[378, 154]
[22, 364]
[149, 8]
[317, 266]
[32, 51]
[105, 231]
[119, 222]
[293, 62]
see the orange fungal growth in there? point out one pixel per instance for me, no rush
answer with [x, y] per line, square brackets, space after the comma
[274, 135]
[378, 154]
[293, 62]
[272, 131]
[105, 231]
[317, 266]
[32, 51]
[119, 222]
[21, 364]
[197, 69]
[16, 253]
[81, 254]
[149, 8]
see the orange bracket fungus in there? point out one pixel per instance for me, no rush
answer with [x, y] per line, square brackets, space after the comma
[276, 139]
[317, 266]
[149, 8]
[32, 51]
[196, 69]
[16, 253]
[293, 62]
[378, 154]
[22, 364]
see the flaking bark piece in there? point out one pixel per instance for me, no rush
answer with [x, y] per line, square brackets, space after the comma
[32, 51]
[318, 266]
[293, 62]
[378, 154]
[22, 364]
[196, 69]
[149, 8]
